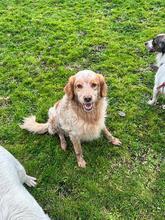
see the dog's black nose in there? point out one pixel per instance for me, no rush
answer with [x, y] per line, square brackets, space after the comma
[88, 99]
[146, 43]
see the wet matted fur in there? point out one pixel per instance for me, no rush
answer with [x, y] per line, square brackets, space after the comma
[80, 114]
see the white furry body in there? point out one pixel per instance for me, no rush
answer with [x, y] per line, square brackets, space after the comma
[159, 78]
[160, 59]
[16, 203]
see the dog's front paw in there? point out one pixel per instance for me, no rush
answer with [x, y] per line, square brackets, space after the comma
[63, 145]
[81, 163]
[151, 102]
[30, 181]
[116, 141]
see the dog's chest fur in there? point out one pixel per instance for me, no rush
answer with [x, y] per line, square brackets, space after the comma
[76, 122]
[160, 59]
[160, 74]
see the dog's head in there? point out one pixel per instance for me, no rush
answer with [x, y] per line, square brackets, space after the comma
[86, 88]
[157, 44]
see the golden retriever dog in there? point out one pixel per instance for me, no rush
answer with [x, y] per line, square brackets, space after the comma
[80, 114]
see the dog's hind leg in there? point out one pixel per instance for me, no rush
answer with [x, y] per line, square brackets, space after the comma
[154, 97]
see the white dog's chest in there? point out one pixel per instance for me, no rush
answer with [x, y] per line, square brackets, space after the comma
[160, 78]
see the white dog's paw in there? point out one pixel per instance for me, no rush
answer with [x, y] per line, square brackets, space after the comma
[151, 102]
[163, 107]
[30, 181]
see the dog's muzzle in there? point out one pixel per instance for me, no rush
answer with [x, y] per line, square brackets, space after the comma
[149, 46]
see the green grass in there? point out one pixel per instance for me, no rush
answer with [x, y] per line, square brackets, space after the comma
[43, 42]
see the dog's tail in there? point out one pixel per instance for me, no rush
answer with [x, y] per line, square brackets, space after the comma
[31, 125]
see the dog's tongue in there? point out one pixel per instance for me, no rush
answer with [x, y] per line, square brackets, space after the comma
[88, 106]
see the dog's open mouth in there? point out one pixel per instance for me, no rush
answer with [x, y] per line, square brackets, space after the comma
[88, 107]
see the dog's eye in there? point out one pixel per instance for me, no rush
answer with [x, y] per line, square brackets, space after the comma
[79, 86]
[93, 85]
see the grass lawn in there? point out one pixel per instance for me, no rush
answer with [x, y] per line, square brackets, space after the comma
[43, 42]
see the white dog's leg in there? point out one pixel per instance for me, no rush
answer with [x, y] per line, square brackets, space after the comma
[30, 181]
[24, 178]
[154, 98]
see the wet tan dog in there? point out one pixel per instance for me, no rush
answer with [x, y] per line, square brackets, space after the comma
[80, 114]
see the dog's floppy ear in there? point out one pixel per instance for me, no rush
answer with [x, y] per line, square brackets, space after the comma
[69, 88]
[103, 85]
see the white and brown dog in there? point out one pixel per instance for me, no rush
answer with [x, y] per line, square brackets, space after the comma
[15, 201]
[157, 44]
[80, 114]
